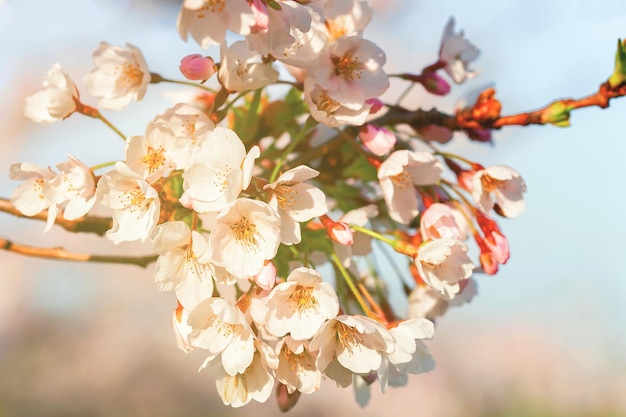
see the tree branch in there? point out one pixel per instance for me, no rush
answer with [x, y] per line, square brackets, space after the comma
[86, 224]
[62, 254]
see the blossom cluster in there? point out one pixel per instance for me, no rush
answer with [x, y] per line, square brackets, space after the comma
[241, 218]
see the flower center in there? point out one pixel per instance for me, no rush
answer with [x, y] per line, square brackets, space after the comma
[285, 196]
[302, 300]
[347, 337]
[245, 232]
[489, 184]
[154, 159]
[128, 76]
[327, 104]
[336, 28]
[403, 179]
[347, 67]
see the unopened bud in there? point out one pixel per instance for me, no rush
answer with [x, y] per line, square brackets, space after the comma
[197, 67]
[619, 73]
[434, 84]
[338, 231]
[376, 105]
[557, 114]
[377, 140]
[259, 10]
[266, 278]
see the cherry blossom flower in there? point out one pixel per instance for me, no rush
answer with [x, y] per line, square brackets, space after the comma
[377, 140]
[136, 205]
[300, 305]
[120, 75]
[306, 45]
[442, 264]
[350, 344]
[255, 383]
[438, 221]
[221, 328]
[30, 196]
[276, 37]
[181, 131]
[426, 302]
[328, 111]
[197, 67]
[224, 172]
[296, 201]
[350, 71]
[457, 52]
[208, 20]
[147, 156]
[57, 100]
[296, 366]
[246, 234]
[505, 185]
[399, 173]
[73, 187]
[344, 17]
[242, 69]
[178, 267]
[181, 328]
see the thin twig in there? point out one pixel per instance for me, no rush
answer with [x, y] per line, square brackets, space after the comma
[64, 255]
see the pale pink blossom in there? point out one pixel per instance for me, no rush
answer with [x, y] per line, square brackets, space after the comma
[221, 328]
[197, 67]
[136, 205]
[256, 382]
[442, 264]
[344, 17]
[438, 222]
[300, 305]
[266, 278]
[328, 111]
[410, 354]
[246, 234]
[30, 196]
[242, 69]
[178, 267]
[120, 75]
[399, 173]
[502, 184]
[57, 100]
[276, 37]
[208, 20]
[181, 131]
[377, 140]
[350, 71]
[181, 328]
[296, 201]
[457, 52]
[223, 172]
[74, 188]
[296, 366]
[349, 345]
[147, 156]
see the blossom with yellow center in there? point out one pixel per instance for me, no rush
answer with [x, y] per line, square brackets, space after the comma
[120, 75]
[246, 234]
[300, 305]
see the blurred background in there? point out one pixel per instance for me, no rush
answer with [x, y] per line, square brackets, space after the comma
[545, 337]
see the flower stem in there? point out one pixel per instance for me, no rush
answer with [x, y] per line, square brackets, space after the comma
[95, 113]
[348, 279]
[156, 78]
[103, 165]
[308, 125]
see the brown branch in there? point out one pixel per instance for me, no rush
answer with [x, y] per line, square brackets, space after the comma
[485, 114]
[86, 224]
[62, 254]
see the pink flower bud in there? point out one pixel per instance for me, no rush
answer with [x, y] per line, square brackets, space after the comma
[197, 67]
[377, 140]
[259, 10]
[341, 233]
[376, 105]
[498, 245]
[435, 133]
[181, 328]
[434, 84]
[266, 278]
